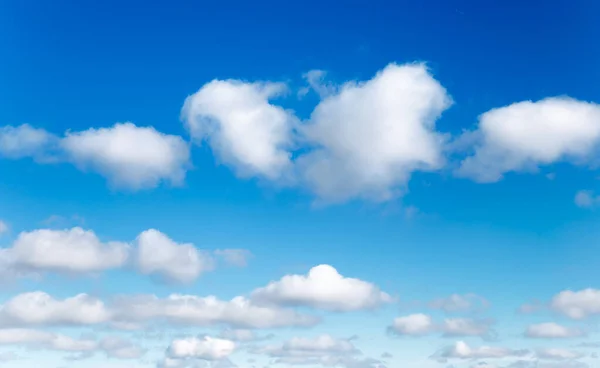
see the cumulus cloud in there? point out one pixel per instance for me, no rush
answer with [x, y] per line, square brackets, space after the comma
[73, 251]
[526, 135]
[422, 324]
[129, 156]
[158, 254]
[26, 141]
[413, 325]
[206, 348]
[41, 309]
[552, 330]
[457, 303]
[323, 288]
[461, 350]
[45, 340]
[369, 137]
[242, 127]
[577, 304]
[238, 312]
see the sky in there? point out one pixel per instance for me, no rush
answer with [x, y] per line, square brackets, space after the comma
[366, 184]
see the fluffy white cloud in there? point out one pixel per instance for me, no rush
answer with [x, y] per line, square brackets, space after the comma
[577, 304]
[158, 254]
[558, 354]
[461, 350]
[552, 330]
[457, 303]
[39, 308]
[586, 199]
[129, 156]
[207, 348]
[242, 127]
[74, 251]
[234, 257]
[413, 325]
[198, 311]
[369, 137]
[25, 141]
[527, 134]
[422, 324]
[322, 288]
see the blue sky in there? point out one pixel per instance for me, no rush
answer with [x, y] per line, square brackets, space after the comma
[378, 184]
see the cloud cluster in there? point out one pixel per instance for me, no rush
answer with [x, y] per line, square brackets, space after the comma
[129, 156]
[422, 324]
[323, 288]
[79, 251]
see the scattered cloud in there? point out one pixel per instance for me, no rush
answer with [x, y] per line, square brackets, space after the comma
[461, 350]
[242, 127]
[206, 348]
[457, 303]
[25, 141]
[71, 251]
[322, 288]
[322, 350]
[157, 254]
[129, 156]
[577, 304]
[558, 354]
[368, 137]
[316, 81]
[526, 135]
[552, 330]
[586, 199]
[421, 325]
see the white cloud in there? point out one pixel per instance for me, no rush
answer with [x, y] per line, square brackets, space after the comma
[25, 141]
[117, 347]
[552, 330]
[461, 350]
[577, 304]
[74, 251]
[157, 254]
[323, 350]
[558, 354]
[369, 137]
[129, 156]
[413, 325]
[39, 308]
[207, 311]
[242, 127]
[322, 288]
[455, 327]
[586, 199]
[46, 340]
[234, 257]
[526, 135]
[457, 303]
[207, 348]
[241, 335]
[422, 324]
[316, 81]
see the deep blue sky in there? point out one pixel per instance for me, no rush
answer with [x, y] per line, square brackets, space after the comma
[72, 65]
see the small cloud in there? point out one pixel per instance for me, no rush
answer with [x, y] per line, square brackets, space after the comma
[234, 257]
[587, 199]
